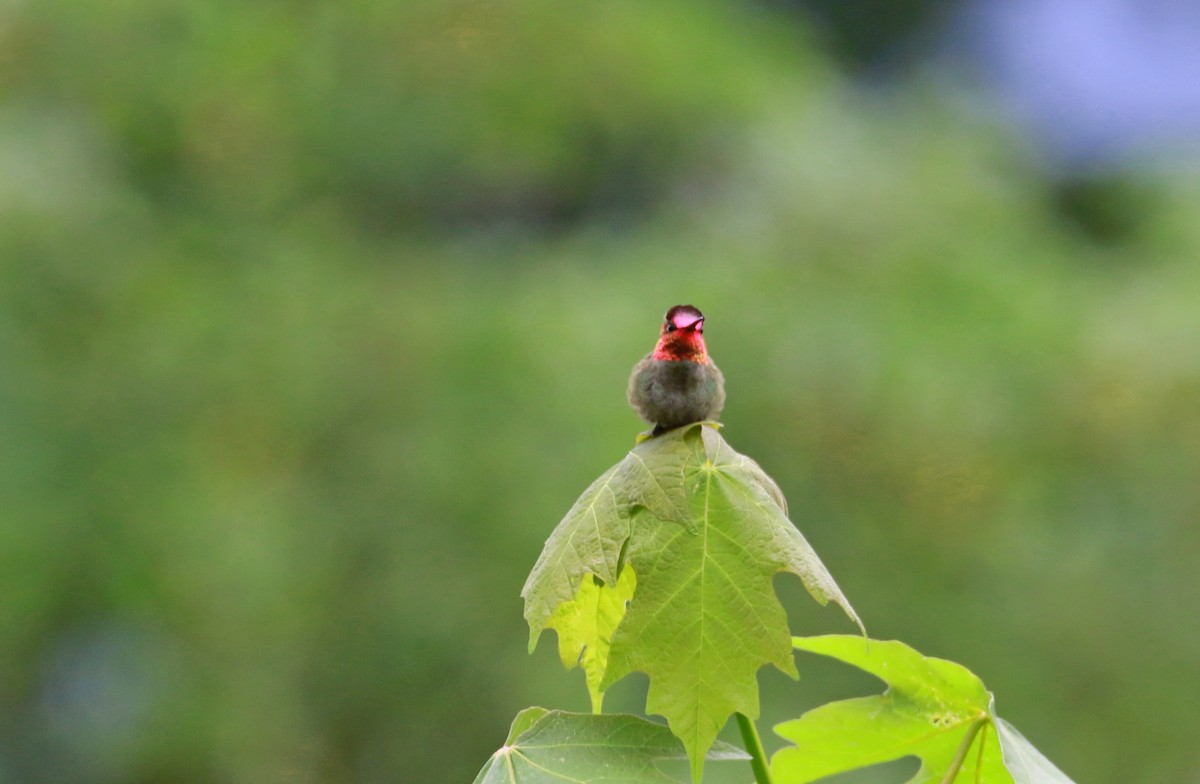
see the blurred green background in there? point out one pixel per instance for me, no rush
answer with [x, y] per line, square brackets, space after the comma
[316, 318]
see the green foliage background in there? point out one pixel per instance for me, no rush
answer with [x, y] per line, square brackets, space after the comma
[316, 318]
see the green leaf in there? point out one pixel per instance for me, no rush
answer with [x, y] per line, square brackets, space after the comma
[705, 530]
[934, 709]
[585, 627]
[552, 747]
[705, 616]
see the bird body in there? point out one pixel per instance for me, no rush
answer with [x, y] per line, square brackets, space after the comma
[677, 383]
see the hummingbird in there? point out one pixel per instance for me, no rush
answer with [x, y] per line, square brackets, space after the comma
[677, 383]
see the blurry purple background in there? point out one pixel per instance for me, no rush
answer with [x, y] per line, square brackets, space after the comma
[1095, 82]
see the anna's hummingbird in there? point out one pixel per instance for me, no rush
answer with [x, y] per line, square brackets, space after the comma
[677, 384]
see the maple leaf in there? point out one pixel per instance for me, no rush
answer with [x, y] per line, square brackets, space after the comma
[705, 616]
[552, 747]
[934, 709]
[705, 530]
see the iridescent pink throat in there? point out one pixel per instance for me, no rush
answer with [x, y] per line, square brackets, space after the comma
[681, 345]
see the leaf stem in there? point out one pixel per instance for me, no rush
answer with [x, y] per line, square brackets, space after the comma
[963, 748]
[758, 757]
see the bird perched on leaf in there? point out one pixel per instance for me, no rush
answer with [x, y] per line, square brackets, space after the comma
[677, 383]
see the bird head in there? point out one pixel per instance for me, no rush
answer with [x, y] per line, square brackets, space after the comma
[682, 335]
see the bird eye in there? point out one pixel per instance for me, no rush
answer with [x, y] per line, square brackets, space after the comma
[670, 326]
